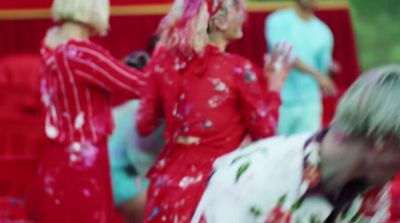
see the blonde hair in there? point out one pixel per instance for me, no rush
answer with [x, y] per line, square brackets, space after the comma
[167, 26]
[94, 13]
[189, 33]
[194, 35]
[371, 107]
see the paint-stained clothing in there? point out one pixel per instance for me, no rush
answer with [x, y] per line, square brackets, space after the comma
[78, 80]
[210, 103]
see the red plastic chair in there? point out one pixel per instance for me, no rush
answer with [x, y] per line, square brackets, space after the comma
[19, 83]
[12, 210]
[21, 132]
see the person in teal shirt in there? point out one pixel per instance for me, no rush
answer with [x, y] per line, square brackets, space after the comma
[312, 43]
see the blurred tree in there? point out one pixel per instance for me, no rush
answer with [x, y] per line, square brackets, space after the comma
[378, 31]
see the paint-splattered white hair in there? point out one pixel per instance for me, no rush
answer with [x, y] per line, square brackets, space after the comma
[168, 23]
[371, 107]
[191, 31]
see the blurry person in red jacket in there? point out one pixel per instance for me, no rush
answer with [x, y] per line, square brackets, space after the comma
[79, 77]
[210, 100]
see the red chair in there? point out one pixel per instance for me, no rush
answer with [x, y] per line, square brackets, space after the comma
[19, 83]
[12, 210]
[21, 132]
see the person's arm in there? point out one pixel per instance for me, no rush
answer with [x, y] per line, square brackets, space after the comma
[93, 65]
[327, 85]
[325, 60]
[258, 104]
[150, 111]
[260, 92]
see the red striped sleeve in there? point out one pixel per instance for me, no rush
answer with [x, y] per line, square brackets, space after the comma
[94, 65]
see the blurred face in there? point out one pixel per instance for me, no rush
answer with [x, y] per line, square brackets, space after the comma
[383, 162]
[307, 4]
[233, 18]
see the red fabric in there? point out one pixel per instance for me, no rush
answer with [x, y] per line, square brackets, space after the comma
[12, 210]
[173, 196]
[20, 70]
[138, 2]
[29, 4]
[25, 4]
[369, 203]
[22, 36]
[216, 97]
[395, 199]
[78, 81]
[209, 103]
[18, 170]
[212, 8]
[19, 84]
[21, 130]
[74, 186]
[21, 141]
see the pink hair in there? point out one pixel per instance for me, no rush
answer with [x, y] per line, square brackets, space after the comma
[189, 32]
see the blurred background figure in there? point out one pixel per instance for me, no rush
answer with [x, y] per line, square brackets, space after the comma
[78, 81]
[312, 42]
[131, 155]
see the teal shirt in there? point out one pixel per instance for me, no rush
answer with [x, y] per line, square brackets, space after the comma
[312, 42]
[126, 147]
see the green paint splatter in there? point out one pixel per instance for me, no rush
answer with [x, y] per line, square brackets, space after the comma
[241, 170]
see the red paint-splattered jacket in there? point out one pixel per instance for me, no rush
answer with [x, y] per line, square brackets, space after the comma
[213, 100]
[78, 79]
